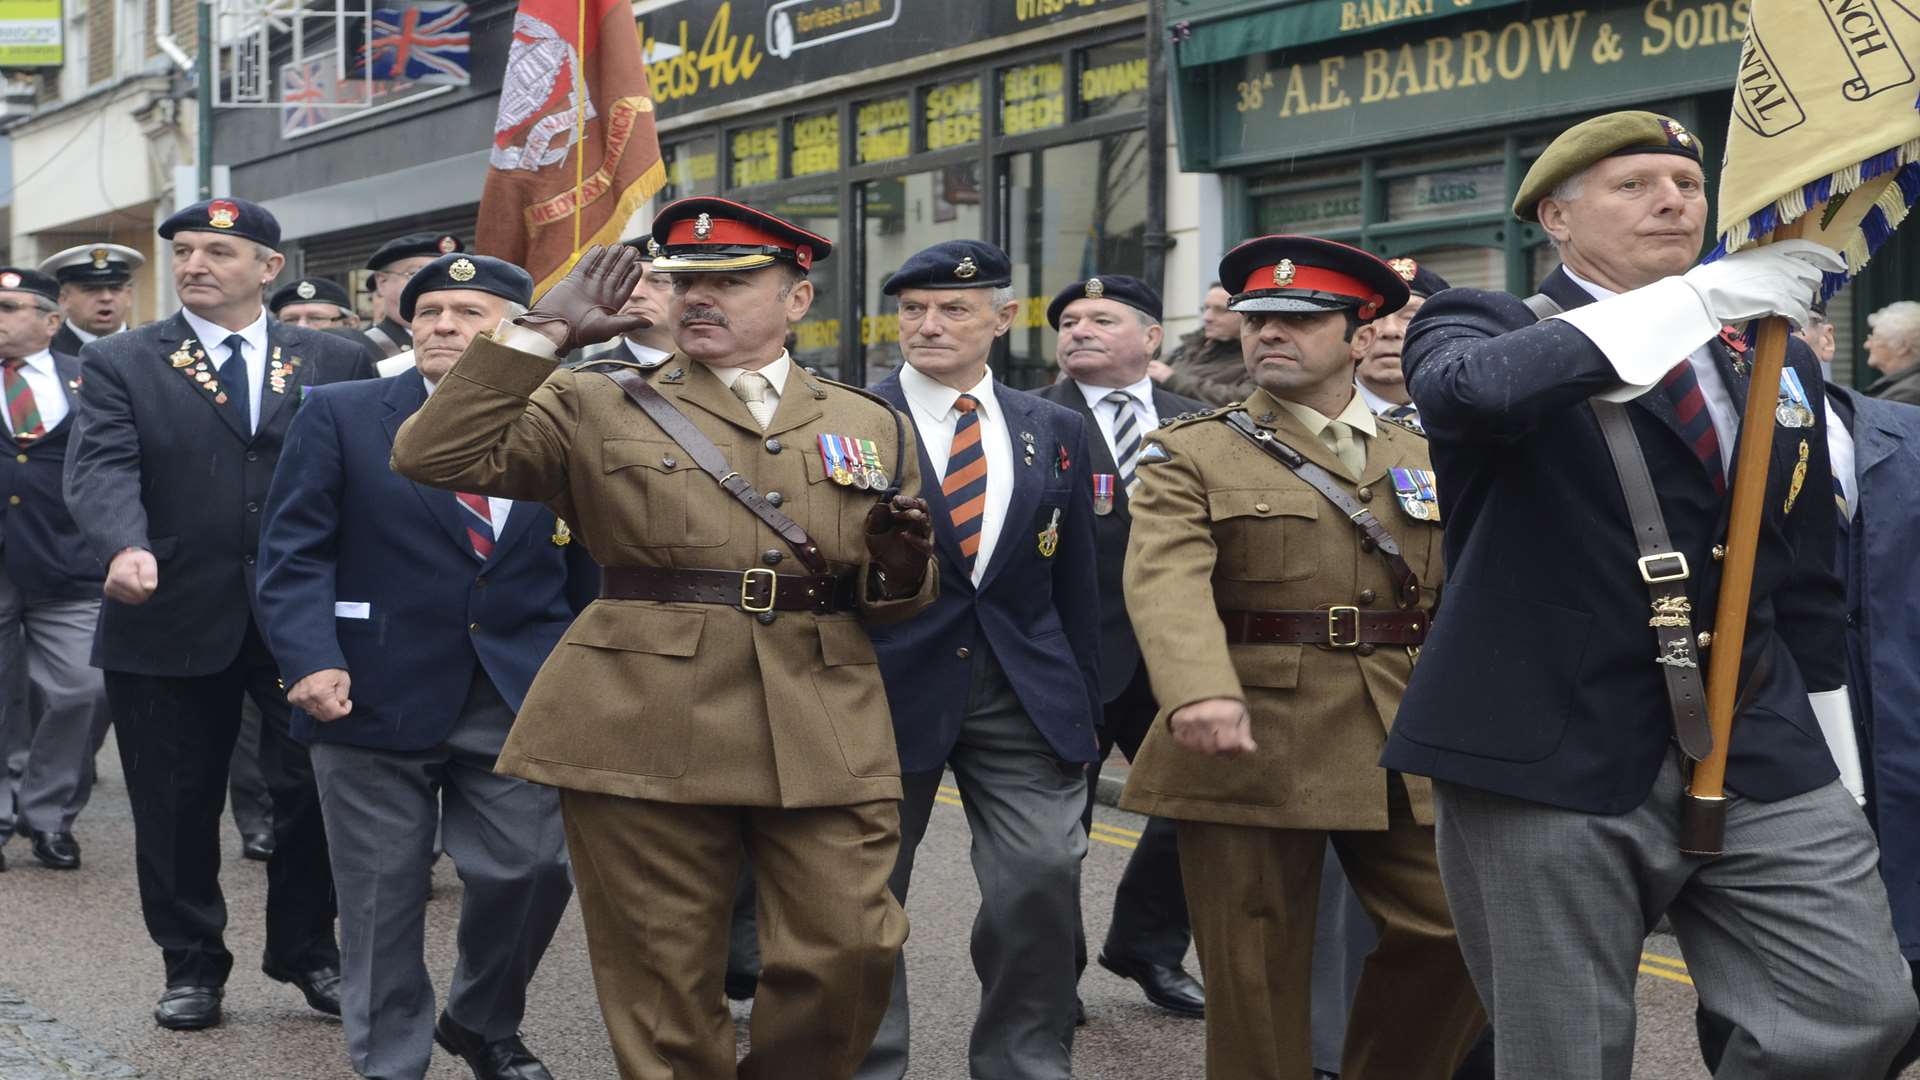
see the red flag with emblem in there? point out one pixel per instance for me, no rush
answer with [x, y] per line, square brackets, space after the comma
[574, 148]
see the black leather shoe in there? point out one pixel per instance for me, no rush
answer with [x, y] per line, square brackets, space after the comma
[257, 846]
[188, 1008]
[1079, 1011]
[321, 986]
[741, 987]
[56, 850]
[1168, 987]
[506, 1059]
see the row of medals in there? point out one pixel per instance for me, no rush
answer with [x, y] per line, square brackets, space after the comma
[854, 466]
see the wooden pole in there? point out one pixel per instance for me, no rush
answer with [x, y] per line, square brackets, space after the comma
[1703, 817]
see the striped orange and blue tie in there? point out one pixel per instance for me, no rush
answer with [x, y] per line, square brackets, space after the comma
[966, 483]
[22, 412]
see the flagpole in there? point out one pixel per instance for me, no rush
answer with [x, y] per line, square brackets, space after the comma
[581, 90]
[1703, 816]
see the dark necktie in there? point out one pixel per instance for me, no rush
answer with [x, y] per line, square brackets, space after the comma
[233, 376]
[1407, 415]
[1696, 424]
[21, 409]
[965, 485]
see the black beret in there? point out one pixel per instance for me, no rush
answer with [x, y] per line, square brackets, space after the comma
[956, 264]
[413, 245]
[1306, 273]
[1421, 281]
[309, 291]
[711, 235]
[229, 217]
[1606, 136]
[647, 246]
[1130, 291]
[481, 273]
[94, 264]
[24, 280]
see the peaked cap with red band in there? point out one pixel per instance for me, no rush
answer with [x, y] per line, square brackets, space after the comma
[705, 234]
[1306, 273]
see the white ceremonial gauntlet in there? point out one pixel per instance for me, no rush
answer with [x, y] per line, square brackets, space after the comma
[1834, 710]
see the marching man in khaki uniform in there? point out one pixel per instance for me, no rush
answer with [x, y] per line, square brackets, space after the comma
[723, 691]
[1280, 573]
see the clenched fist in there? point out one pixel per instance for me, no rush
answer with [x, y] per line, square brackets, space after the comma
[323, 695]
[900, 539]
[584, 308]
[1221, 727]
[132, 577]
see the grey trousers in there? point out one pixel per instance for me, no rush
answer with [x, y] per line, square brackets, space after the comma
[1787, 936]
[506, 840]
[1023, 806]
[61, 718]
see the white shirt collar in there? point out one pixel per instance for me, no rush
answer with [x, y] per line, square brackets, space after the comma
[776, 373]
[41, 362]
[210, 335]
[647, 354]
[1378, 405]
[82, 334]
[1141, 392]
[936, 398]
[1598, 292]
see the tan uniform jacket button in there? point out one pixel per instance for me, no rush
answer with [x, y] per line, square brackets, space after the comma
[1367, 596]
[1365, 494]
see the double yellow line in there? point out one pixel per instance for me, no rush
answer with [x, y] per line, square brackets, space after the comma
[1105, 834]
[1670, 968]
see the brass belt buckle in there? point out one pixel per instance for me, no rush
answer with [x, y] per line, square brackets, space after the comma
[1333, 626]
[747, 578]
[1663, 567]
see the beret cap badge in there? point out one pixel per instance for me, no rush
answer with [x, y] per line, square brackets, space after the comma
[1406, 268]
[703, 226]
[305, 290]
[462, 270]
[653, 248]
[9, 280]
[1096, 288]
[1283, 273]
[967, 270]
[448, 245]
[222, 214]
[99, 256]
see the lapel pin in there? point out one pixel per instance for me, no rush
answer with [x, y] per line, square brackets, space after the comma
[1050, 536]
[562, 536]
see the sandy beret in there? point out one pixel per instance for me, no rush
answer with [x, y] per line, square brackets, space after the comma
[1612, 135]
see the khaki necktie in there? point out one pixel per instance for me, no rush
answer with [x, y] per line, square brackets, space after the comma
[751, 387]
[1339, 437]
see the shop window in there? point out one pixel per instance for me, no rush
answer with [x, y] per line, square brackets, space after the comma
[884, 130]
[903, 215]
[693, 168]
[1448, 192]
[753, 155]
[1111, 79]
[815, 340]
[816, 144]
[1076, 210]
[1309, 210]
[1033, 97]
[1467, 267]
[952, 115]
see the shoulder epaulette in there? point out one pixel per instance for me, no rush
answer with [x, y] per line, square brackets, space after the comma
[1169, 422]
[861, 390]
[610, 364]
[1401, 424]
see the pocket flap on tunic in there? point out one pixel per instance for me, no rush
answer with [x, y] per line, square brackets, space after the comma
[1222, 505]
[631, 628]
[845, 641]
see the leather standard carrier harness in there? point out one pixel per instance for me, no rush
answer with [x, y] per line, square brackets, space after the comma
[1339, 626]
[1663, 569]
[758, 590]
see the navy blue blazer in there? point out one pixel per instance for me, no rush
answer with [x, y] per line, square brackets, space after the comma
[1039, 614]
[343, 528]
[1883, 635]
[40, 546]
[1538, 679]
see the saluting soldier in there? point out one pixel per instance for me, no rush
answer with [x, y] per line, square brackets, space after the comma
[1283, 561]
[724, 689]
[96, 291]
[393, 264]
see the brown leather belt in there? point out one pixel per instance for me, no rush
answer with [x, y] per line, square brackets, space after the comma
[757, 590]
[1338, 627]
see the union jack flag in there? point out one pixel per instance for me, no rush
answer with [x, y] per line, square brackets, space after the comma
[428, 43]
[306, 89]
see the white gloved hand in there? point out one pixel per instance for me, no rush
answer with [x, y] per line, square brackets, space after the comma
[1773, 279]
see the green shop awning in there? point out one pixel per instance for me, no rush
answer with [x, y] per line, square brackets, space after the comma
[1228, 29]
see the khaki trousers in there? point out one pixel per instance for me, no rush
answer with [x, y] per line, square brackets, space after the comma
[656, 884]
[1254, 894]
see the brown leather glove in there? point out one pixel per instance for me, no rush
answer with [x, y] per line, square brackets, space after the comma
[584, 308]
[900, 539]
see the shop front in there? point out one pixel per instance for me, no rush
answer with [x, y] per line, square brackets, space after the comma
[890, 125]
[1404, 126]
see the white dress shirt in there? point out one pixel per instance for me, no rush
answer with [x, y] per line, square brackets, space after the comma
[1145, 417]
[1840, 450]
[1380, 406]
[931, 404]
[647, 354]
[214, 339]
[497, 509]
[1720, 408]
[48, 395]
